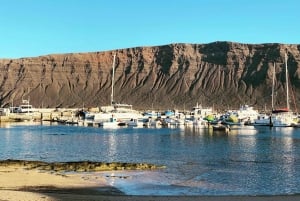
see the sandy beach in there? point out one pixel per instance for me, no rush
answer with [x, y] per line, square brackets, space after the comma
[18, 183]
[21, 184]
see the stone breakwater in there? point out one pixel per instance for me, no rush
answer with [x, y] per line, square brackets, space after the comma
[80, 166]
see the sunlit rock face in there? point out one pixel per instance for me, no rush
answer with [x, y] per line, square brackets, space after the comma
[219, 74]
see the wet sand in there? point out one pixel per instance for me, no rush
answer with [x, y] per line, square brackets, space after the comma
[18, 183]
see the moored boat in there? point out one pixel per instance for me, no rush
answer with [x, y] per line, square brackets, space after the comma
[263, 120]
[283, 117]
[221, 127]
[112, 123]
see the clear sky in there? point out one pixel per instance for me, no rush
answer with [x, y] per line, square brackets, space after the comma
[39, 27]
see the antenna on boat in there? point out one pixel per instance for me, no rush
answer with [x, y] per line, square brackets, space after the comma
[113, 80]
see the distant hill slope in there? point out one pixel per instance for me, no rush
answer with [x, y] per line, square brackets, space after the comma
[219, 74]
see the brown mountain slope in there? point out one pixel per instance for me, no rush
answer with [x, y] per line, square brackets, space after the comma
[219, 74]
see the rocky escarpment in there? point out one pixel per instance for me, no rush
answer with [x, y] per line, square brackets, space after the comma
[219, 74]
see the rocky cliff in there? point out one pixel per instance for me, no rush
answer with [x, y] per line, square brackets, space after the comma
[220, 74]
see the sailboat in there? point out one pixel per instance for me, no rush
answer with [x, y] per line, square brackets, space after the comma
[117, 114]
[282, 117]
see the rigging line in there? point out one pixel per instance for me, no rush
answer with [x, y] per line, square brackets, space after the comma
[293, 95]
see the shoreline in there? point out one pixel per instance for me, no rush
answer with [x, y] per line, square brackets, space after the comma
[18, 183]
[87, 194]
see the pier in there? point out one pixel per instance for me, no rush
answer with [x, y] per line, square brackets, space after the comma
[44, 114]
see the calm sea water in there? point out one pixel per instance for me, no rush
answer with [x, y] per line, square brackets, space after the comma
[248, 161]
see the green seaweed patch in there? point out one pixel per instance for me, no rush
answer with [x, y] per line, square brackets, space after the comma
[79, 166]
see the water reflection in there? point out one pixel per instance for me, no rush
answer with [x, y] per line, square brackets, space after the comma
[246, 161]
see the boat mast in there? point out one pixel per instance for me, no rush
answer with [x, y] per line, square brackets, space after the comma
[273, 81]
[113, 80]
[287, 85]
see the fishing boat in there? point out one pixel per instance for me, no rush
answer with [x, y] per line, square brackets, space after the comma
[112, 123]
[23, 112]
[199, 111]
[25, 107]
[135, 123]
[245, 115]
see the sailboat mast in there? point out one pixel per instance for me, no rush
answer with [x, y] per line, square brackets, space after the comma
[287, 84]
[273, 83]
[113, 80]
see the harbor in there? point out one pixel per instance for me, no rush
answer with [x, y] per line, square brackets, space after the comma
[197, 161]
[123, 115]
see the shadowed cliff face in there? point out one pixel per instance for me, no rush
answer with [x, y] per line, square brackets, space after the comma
[220, 74]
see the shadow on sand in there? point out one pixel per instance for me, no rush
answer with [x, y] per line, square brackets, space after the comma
[113, 194]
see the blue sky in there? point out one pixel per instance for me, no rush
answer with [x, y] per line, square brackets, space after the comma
[39, 27]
